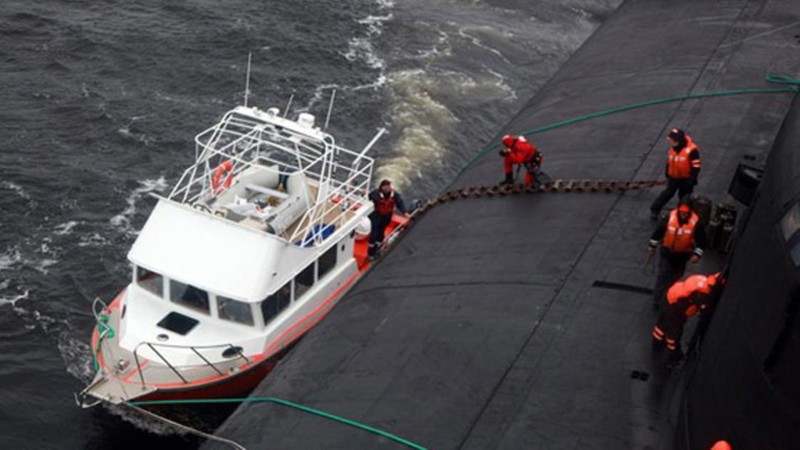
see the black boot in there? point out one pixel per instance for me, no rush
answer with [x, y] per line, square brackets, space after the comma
[674, 359]
[656, 345]
[509, 179]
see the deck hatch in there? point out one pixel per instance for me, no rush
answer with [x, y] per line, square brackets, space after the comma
[178, 323]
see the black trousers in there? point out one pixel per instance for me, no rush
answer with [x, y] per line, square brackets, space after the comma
[376, 235]
[683, 187]
[671, 268]
[669, 328]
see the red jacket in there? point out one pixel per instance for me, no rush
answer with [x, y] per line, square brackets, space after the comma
[521, 151]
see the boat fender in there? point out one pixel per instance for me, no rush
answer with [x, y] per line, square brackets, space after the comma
[225, 169]
[363, 228]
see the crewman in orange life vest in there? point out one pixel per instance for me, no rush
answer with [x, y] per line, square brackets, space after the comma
[517, 150]
[385, 200]
[683, 167]
[682, 240]
[684, 299]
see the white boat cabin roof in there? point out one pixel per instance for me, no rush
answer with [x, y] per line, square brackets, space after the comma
[265, 196]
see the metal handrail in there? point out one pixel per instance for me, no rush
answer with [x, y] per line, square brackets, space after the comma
[248, 139]
[193, 348]
[95, 312]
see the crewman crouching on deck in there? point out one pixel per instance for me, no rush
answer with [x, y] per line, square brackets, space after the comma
[385, 200]
[683, 167]
[684, 299]
[517, 150]
[682, 240]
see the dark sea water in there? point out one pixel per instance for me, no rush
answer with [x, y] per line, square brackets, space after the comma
[99, 104]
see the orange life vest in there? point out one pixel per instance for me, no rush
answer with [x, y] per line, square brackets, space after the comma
[678, 164]
[384, 206]
[679, 238]
[695, 284]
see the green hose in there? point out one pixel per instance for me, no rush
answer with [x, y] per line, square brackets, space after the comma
[104, 330]
[317, 412]
[772, 78]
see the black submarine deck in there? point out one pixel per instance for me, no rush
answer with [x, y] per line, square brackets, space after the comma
[524, 321]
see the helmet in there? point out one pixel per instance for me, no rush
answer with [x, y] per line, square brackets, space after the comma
[685, 204]
[721, 445]
[509, 140]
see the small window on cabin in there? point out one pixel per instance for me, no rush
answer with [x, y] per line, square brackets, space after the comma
[790, 222]
[277, 302]
[150, 281]
[303, 281]
[326, 262]
[234, 310]
[188, 296]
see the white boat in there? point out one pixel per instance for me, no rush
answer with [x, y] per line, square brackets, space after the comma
[257, 241]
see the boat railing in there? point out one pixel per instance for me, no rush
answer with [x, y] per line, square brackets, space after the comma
[334, 207]
[337, 173]
[230, 349]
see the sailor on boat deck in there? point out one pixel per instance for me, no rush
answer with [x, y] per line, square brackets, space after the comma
[385, 200]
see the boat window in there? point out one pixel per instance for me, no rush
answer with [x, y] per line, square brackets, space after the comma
[326, 262]
[150, 281]
[277, 302]
[303, 281]
[234, 310]
[790, 222]
[189, 296]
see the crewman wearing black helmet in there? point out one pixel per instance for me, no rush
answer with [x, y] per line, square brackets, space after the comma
[683, 167]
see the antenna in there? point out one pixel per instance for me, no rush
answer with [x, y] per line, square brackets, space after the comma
[330, 108]
[288, 105]
[247, 81]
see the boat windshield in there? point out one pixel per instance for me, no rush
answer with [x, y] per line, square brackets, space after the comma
[150, 281]
[234, 310]
[189, 296]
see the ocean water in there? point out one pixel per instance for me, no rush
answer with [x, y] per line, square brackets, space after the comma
[100, 104]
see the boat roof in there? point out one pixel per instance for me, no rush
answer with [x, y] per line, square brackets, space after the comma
[214, 254]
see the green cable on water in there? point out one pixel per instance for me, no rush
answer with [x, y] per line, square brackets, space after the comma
[317, 412]
[772, 78]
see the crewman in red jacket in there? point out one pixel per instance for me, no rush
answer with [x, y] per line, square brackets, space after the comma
[683, 167]
[517, 150]
[684, 299]
[385, 199]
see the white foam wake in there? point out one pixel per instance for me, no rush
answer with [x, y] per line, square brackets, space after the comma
[16, 188]
[360, 49]
[10, 258]
[122, 221]
[64, 229]
[12, 300]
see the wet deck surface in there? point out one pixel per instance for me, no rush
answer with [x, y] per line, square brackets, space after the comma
[495, 323]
